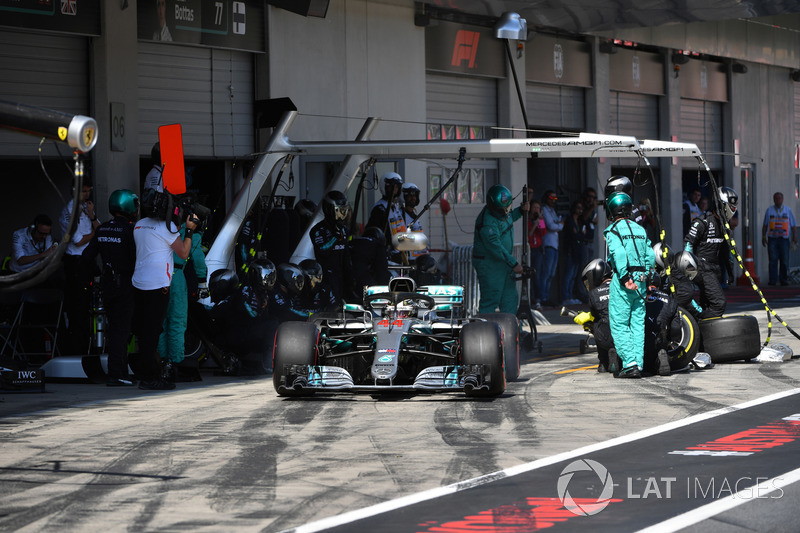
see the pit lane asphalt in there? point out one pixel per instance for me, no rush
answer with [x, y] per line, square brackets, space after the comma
[229, 454]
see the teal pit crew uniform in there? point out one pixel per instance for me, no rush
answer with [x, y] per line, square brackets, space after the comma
[171, 343]
[631, 257]
[493, 260]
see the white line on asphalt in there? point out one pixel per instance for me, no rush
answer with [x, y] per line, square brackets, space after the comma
[438, 492]
[695, 516]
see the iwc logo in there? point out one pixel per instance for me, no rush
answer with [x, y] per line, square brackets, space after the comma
[585, 509]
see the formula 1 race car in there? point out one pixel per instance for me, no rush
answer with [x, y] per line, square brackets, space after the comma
[399, 339]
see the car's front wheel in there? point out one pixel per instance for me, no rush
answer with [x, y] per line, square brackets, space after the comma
[295, 344]
[481, 344]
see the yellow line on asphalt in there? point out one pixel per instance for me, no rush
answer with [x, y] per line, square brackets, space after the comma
[593, 367]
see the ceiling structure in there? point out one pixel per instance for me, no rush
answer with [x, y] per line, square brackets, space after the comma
[591, 16]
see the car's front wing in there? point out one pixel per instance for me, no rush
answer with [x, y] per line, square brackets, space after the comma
[450, 378]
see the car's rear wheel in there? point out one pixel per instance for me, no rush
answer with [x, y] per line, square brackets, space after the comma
[481, 344]
[509, 327]
[295, 344]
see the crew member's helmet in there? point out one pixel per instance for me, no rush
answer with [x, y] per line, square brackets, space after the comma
[312, 271]
[291, 277]
[426, 264]
[658, 249]
[388, 181]
[222, 283]
[374, 233]
[686, 262]
[619, 204]
[124, 202]
[730, 202]
[499, 199]
[411, 194]
[594, 273]
[305, 208]
[618, 184]
[336, 208]
[262, 275]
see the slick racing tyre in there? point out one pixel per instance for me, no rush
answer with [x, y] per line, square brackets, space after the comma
[481, 344]
[509, 327]
[687, 337]
[730, 338]
[295, 344]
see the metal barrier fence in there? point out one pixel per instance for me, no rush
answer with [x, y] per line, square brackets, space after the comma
[463, 274]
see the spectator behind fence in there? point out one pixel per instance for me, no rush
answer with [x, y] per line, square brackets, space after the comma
[536, 232]
[554, 223]
[574, 251]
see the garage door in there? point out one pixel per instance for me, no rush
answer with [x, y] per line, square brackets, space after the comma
[208, 91]
[49, 71]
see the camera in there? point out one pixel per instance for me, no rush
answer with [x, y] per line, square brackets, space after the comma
[168, 207]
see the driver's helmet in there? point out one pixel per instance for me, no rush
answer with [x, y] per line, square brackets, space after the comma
[730, 202]
[618, 184]
[405, 309]
[336, 208]
[388, 182]
[499, 199]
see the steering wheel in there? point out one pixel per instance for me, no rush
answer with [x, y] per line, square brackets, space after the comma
[397, 297]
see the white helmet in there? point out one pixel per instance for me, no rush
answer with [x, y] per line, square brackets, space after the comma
[730, 202]
[686, 262]
[390, 178]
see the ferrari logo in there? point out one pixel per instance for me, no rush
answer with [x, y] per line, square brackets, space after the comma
[62, 133]
[88, 136]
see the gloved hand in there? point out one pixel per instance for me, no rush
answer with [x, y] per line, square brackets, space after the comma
[697, 307]
[688, 247]
[202, 290]
[582, 318]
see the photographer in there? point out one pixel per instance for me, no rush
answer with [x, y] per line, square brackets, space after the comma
[156, 239]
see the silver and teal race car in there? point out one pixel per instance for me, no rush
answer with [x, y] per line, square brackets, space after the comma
[401, 338]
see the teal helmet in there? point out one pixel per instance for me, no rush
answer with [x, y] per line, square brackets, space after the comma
[619, 205]
[124, 202]
[499, 199]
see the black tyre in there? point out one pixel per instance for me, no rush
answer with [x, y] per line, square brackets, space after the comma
[509, 327]
[731, 338]
[481, 344]
[295, 344]
[688, 338]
